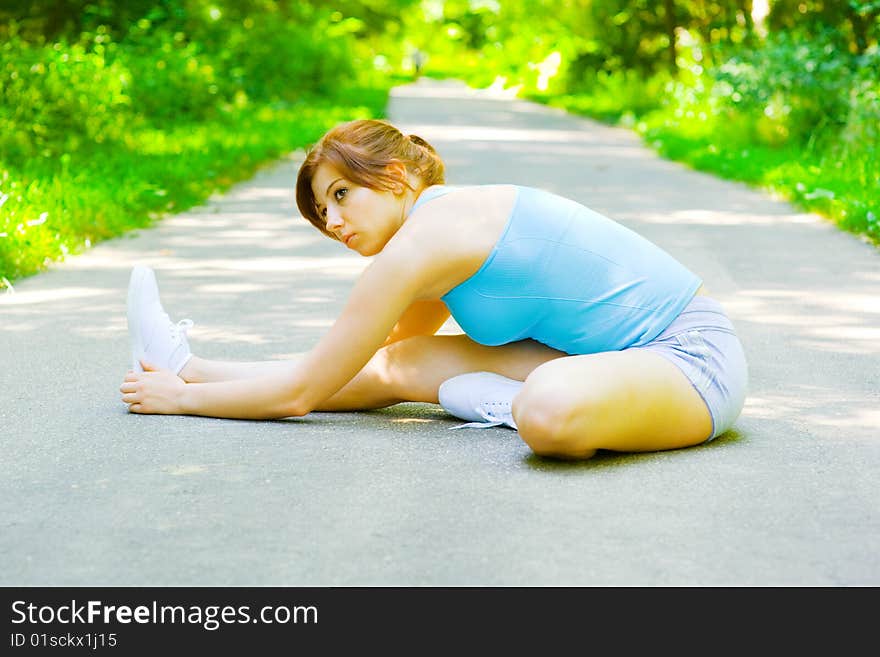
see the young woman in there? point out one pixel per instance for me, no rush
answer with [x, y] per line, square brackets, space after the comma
[578, 332]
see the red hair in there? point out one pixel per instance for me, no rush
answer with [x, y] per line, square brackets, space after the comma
[361, 151]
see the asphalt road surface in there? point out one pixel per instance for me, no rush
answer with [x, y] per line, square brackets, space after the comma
[94, 496]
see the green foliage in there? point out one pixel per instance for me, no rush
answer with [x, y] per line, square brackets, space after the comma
[789, 103]
[792, 89]
[612, 97]
[105, 130]
[113, 112]
[171, 78]
[854, 22]
[862, 124]
[56, 97]
[47, 211]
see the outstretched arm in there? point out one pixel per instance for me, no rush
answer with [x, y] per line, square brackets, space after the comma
[384, 291]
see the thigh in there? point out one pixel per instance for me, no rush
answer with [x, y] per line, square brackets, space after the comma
[631, 400]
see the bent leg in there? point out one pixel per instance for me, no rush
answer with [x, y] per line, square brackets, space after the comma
[629, 401]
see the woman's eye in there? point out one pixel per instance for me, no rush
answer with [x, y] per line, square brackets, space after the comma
[339, 193]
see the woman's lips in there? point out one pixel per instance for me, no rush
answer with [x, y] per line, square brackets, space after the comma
[349, 239]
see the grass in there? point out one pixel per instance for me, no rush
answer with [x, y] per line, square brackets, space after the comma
[827, 176]
[54, 206]
[835, 188]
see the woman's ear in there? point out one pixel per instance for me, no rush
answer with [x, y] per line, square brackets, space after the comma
[397, 170]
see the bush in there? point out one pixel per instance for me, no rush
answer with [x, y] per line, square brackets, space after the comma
[287, 61]
[171, 78]
[98, 136]
[55, 98]
[792, 89]
[862, 127]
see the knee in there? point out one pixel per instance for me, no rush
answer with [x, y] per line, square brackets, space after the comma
[401, 353]
[393, 362]
[380, 368]
[550, 424]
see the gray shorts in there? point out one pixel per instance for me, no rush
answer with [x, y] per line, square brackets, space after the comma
[702, 342]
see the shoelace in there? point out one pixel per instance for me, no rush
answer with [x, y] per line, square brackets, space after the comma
[492, 418]
[180, 329]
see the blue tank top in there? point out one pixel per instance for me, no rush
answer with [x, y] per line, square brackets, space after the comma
[570, 278]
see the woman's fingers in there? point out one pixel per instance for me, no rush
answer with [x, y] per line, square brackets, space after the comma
[129, 392]
[151, 392]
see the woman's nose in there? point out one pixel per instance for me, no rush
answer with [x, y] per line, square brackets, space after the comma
[334, 219]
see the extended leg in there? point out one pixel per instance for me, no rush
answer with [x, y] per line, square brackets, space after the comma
[203, 370]
[408, 370]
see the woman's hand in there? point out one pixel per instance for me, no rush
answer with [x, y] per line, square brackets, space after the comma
[153, 391]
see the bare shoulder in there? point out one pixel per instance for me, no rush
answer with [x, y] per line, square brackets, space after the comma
[452, 235]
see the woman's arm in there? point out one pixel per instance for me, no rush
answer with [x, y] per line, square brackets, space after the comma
[423, 261]
[384, 291]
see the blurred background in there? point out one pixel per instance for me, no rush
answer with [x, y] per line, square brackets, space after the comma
[115, 113]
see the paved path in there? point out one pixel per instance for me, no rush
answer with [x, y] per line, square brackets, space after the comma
[91, 495]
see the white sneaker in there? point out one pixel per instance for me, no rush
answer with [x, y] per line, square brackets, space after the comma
[154, 337]
[482, 398]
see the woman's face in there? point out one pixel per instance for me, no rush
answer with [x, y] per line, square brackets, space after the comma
[363, 219]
